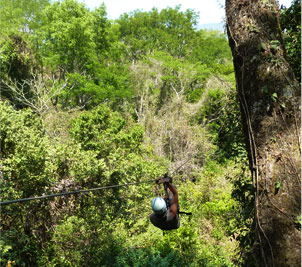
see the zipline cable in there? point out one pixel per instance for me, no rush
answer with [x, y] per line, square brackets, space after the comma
[71, 193]
[7, 202]
[176, 170]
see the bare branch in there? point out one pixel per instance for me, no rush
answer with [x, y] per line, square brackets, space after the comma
[37, 92]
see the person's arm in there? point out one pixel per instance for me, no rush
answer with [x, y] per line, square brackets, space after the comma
[174, 205]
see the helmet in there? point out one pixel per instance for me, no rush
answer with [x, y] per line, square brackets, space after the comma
[158, 205]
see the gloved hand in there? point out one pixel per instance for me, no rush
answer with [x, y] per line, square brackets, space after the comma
[162, 180]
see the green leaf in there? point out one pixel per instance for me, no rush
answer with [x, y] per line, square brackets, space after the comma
[278, 185]
[263, 46]
[274, 97]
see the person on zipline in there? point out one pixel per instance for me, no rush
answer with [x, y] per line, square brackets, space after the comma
[165, 211]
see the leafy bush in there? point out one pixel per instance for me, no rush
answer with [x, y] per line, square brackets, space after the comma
[26, 170]
[220, 113]
[147, 257]
[25, 161]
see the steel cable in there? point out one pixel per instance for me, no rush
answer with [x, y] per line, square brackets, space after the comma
[7, 202]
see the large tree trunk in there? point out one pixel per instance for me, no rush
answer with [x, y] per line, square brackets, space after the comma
[270, 104]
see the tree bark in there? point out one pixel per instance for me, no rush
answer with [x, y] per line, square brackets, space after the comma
[270, 104]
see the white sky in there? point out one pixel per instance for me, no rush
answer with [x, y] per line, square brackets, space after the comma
[210, 11]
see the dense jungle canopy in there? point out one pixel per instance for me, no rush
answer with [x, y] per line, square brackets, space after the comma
[89, 102]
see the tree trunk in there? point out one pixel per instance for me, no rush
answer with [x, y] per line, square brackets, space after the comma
[270, 104]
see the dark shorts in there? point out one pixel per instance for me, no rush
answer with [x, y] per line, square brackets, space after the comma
[166, 221]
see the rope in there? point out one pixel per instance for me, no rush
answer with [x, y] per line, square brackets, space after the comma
[70, 193]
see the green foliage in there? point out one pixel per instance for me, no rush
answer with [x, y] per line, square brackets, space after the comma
[26, 170]
[101, 28]
[298, 222]
[31, 165]
[16, 64]
[211, 48]
[290, 22]
[20, 16]
[244, 194]
[69, 240]
[213, 217]
[15, 57]
[24, 152]
[147, 257]
[169, 30]
[81, 47]
[221, 113]
[179, 76]
[104, 131]
[79, 92]
[66, 36]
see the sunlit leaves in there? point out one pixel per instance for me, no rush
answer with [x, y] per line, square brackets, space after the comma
[168, 30]
[67, 36]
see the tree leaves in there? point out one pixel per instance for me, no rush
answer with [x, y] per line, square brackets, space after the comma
[290, 22]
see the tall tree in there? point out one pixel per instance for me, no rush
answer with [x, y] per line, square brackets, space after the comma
[270, 105]
[20, 16]
[67, 36]
[169, 30]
